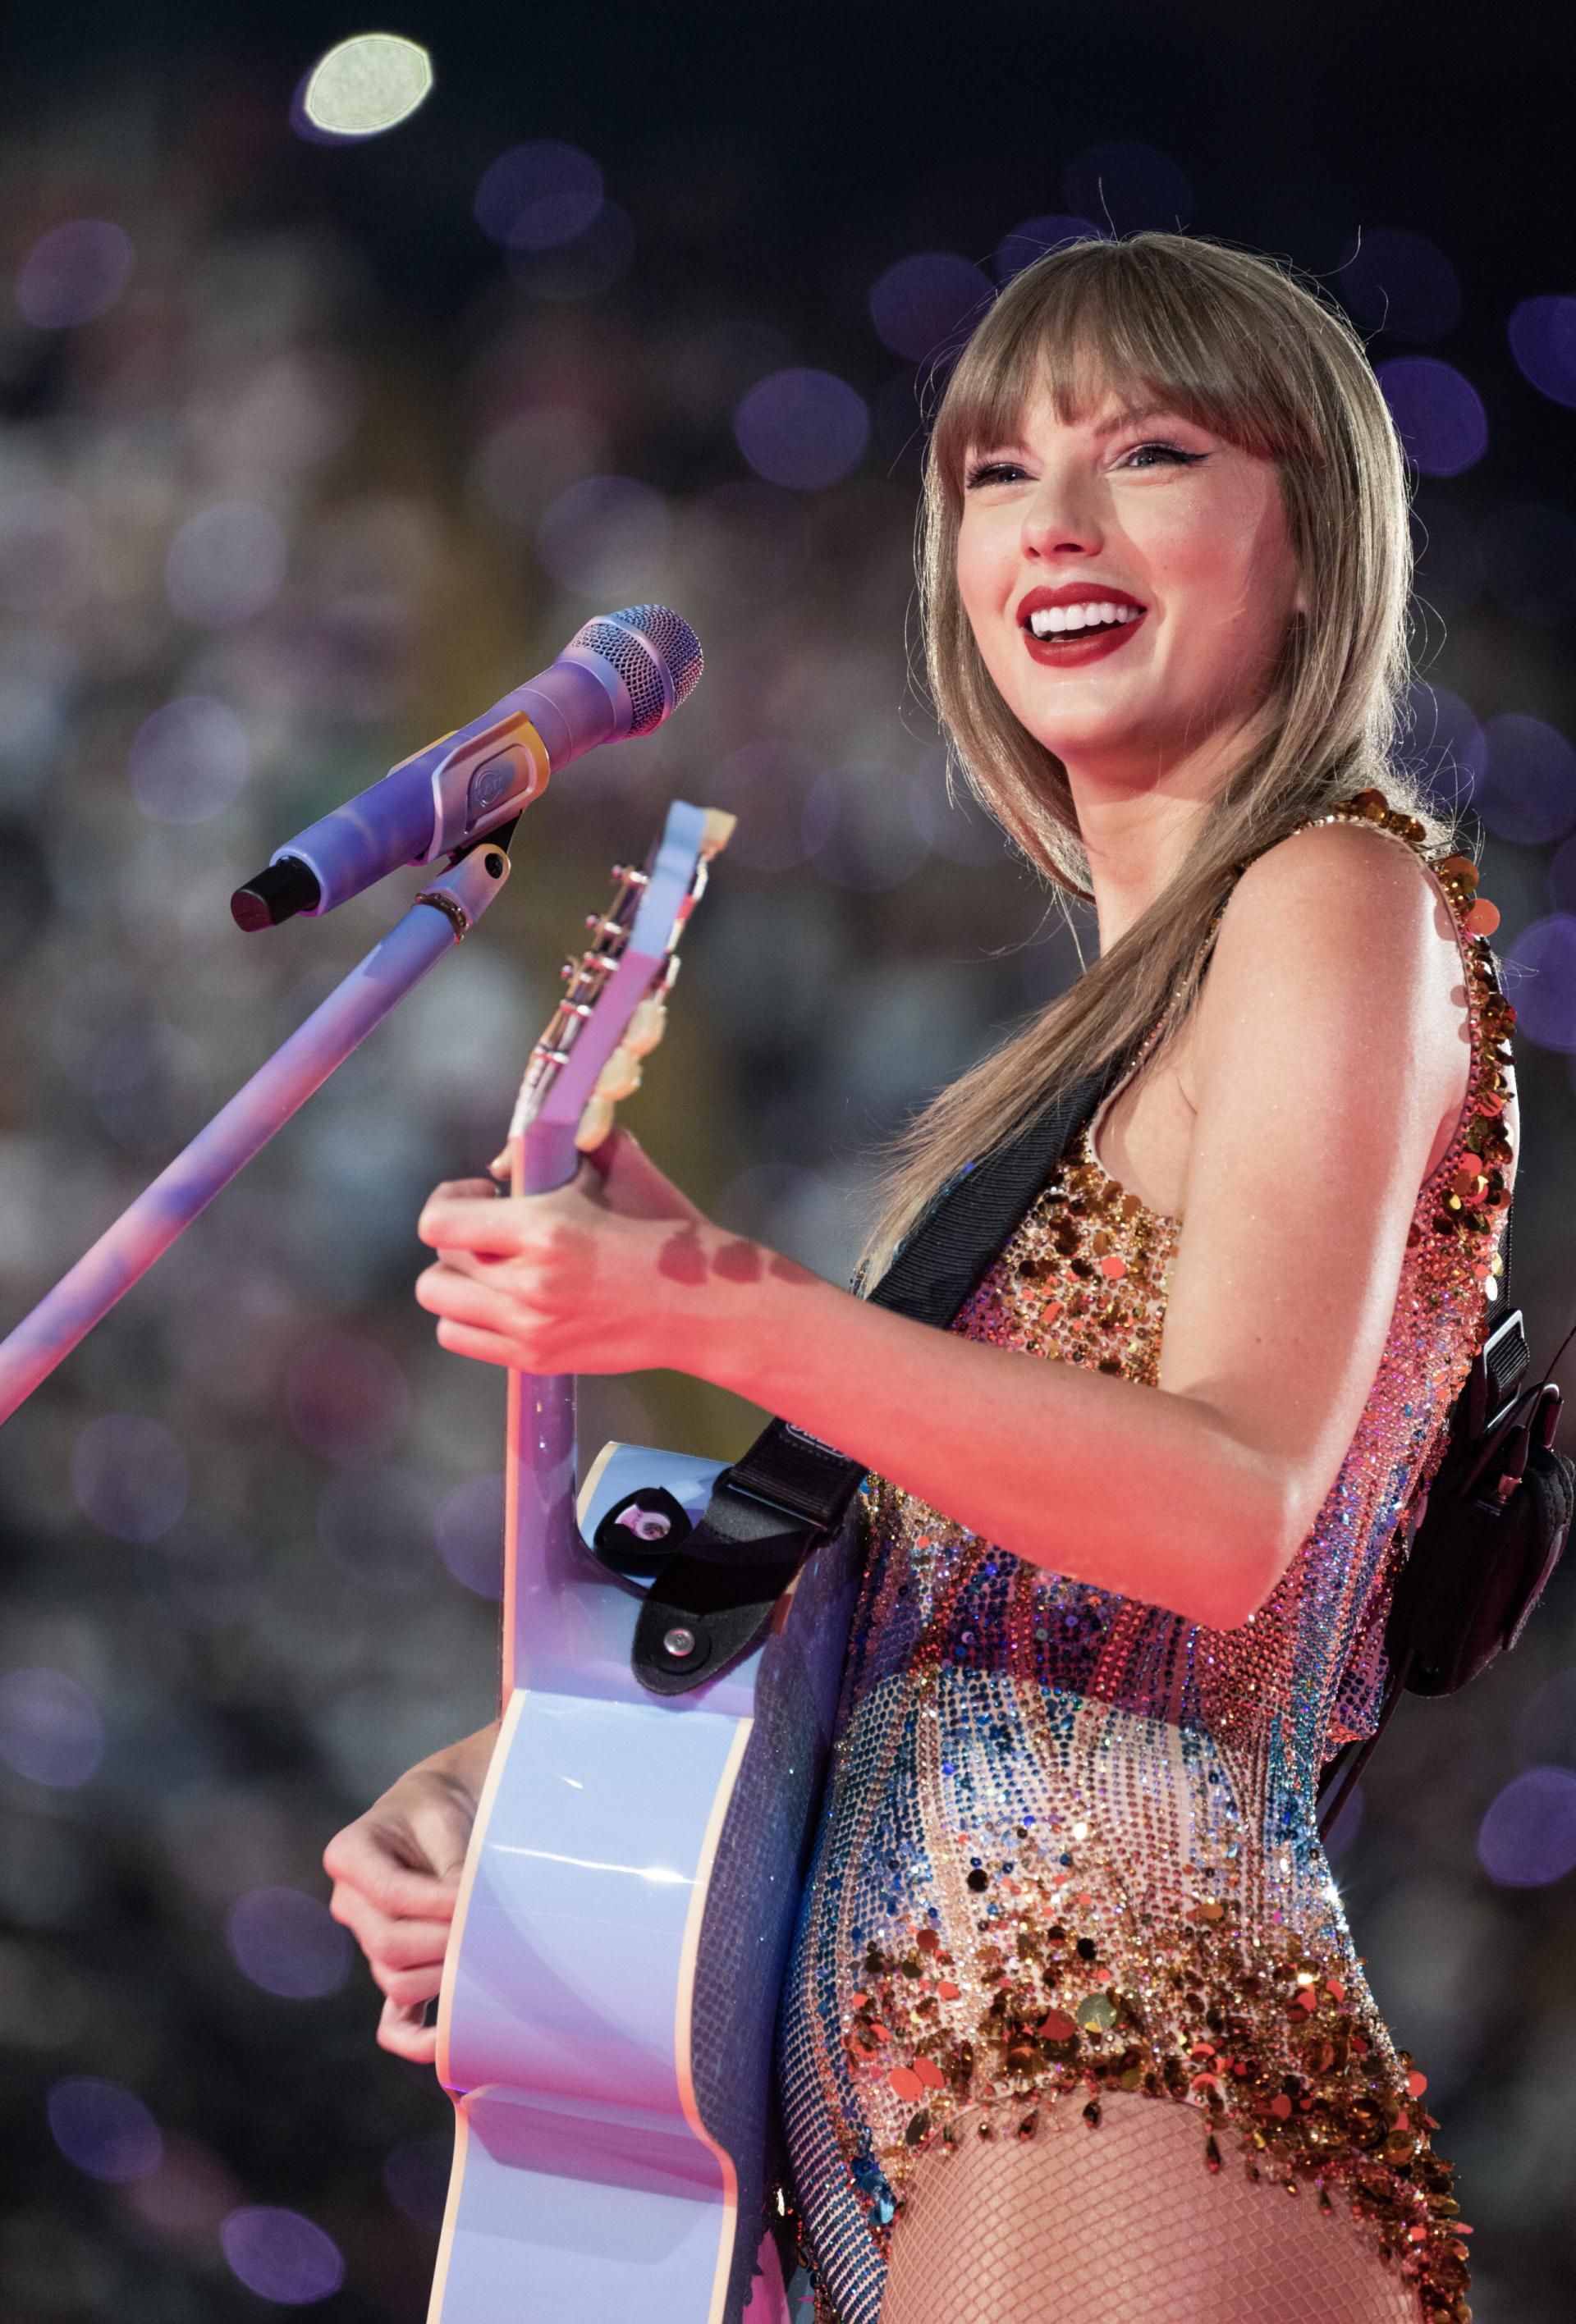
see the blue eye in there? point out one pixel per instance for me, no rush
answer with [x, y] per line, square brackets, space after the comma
[990, 472]
[1166, 454]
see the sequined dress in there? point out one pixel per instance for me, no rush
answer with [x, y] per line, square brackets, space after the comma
[1068, 1849]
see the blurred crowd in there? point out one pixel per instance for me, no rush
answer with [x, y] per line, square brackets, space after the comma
[259, 538]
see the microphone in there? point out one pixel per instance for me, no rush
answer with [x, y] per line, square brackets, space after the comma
[621, 674]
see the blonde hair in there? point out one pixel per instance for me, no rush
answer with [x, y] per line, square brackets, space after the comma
[1233, 342]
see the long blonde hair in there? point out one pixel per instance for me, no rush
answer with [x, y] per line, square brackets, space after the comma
[1233, 342]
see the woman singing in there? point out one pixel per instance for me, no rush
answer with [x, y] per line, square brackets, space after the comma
[1074, 2030]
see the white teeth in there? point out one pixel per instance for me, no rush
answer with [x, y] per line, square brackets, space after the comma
[1051, 620]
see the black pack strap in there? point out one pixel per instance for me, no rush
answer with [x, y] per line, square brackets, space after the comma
[709, 1603]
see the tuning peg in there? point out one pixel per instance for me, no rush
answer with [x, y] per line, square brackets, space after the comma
[716, 831]
[595, 1124]
[646, 1026]
[620, 1076]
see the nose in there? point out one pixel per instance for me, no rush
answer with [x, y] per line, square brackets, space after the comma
[1063, 519]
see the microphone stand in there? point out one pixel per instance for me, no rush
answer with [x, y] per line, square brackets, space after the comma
[443, 913]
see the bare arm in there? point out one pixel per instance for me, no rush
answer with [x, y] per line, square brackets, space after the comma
[1330, 1061]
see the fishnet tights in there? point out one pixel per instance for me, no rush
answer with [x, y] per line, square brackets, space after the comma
[1124, 2225]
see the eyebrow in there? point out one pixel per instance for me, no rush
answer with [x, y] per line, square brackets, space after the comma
[1127, 417]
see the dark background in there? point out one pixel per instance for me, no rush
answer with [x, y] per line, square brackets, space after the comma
[245, 1527]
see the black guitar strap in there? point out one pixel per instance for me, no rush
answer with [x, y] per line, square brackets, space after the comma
[711, 1601]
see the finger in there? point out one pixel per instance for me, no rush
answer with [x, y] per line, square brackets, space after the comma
[388, 1865]
[406, 2034]
[466, 1299]
[410, 1988]
[485, 1347]
[475, 1222]
[624, 1177]
[395, 1944]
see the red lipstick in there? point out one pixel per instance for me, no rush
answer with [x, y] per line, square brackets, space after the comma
[1075, 647]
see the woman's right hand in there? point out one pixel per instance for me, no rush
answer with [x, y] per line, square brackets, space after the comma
[395, 1872]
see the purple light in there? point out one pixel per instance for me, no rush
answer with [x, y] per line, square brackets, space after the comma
[767, 785]
[801, 429]
[226, 564]
[745, 542]
[1401, 282]
[415, 2173]
[1438, 414]
[347, 1399]
[469, 1530]
[376, 1526]
[286, 1942]
[1449, 557]
[1528, 1837]
[73, 273]
[50, 1728]
[1130, 184]
[281, 2256]
[1543, 339]
[129, 1475]
[924, 304]
[1035, 237]
[1530, 554]
[605, 537]
[103, 2129]
[536, 197]
[1544, 991]
[594, 261]
[189, 761]
[1528, 790]
[857, 829]
[1444, 743]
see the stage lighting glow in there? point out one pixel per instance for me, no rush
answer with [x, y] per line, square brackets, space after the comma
[226, 564]
[1401, 282]
[347, 1400]
[1543, 985]
[376, 1524]
[282, 2257]
[366, 84]
[287, 1942]
[535, 197]
[50, 1728]
[1528, 1837]
[1528, 790]
[1529, 552]
[1128, 186]
[1035, 237]
[103, 2129]
[469, 1532]
[1444, 742]
[801, 429]
[130, 1475]
[927, 303]
[1438, 414]
[1543, 339]
[605, 537]
[73, 273]
[189, 761]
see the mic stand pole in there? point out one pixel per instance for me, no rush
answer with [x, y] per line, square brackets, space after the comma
[440, 915]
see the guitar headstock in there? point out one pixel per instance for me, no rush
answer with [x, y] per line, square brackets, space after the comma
[613, 1012]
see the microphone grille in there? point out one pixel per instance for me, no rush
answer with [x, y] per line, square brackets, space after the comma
[662, 646]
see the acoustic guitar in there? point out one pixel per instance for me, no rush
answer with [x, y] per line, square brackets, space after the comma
[605, 2026]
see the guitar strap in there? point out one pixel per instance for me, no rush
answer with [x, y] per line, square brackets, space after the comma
[711, 1601]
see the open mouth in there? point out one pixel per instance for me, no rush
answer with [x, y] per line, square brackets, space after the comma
[1071, 624]
[1074, 628]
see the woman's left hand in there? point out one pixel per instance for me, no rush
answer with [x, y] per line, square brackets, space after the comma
[609, 1274]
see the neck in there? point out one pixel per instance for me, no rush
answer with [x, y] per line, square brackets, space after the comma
[1139, 822]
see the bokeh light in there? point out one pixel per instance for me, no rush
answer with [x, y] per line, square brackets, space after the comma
[533, 455]
[1543, 988]
[605, 537]
[1528, 1837]
[376, 1526]
[469, 1528]
[1130, 186]
[1401, 282]
[226, 564]
[802, 429]
[591, 261]
[366, 85]
[537, 196]
[1528, 788]
[50, 1730]
[73, 273]
[1529, 555]
[1035, 237]
[103, 2129]
[928, 303]
[346, 1396]
[1543, 339]
[1563, 878]
[287, 1942]
[189, 761]
[415, 2175]
[1444, 741]
[130, 1475]
[282, 2257]
[1438, 414]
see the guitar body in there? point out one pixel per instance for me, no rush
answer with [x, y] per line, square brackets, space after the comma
[624, 1921]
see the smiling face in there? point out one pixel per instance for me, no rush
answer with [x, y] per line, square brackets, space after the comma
[1128, 578]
